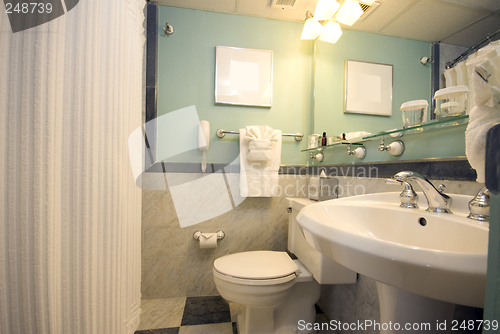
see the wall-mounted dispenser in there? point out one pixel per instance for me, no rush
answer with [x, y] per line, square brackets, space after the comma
[203, 142]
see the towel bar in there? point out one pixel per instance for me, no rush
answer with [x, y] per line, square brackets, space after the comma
[222, 133]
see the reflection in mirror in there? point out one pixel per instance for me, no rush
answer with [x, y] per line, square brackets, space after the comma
[411, 81]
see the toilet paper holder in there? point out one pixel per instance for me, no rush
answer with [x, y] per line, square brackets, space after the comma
[220, 235]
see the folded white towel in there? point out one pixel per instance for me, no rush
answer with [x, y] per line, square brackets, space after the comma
[259, 178]
[259, 144]
[351, 135]
[260, 132]
[259, 150]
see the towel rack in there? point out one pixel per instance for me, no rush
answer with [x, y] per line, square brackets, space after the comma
[222, 133]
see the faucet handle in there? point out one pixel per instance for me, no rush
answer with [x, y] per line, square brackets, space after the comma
[408, 196]
[479, 206]
[441, 188]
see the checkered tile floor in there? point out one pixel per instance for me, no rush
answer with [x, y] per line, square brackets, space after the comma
[191, 315]
[200, 315]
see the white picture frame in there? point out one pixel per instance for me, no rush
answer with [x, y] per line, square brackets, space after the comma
[368, 88]
[243, 76]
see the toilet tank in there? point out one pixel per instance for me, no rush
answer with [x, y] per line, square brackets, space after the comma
[324, 269]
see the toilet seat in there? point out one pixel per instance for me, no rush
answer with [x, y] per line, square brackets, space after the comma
[256, 268]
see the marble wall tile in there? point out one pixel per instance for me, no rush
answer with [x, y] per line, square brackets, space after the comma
[254, 204]
[249, 232]
[278, 232]
[366, 290]
[199, 276]
[162, 242]
[163, 277]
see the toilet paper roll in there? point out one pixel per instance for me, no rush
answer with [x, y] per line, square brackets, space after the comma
[208, 240]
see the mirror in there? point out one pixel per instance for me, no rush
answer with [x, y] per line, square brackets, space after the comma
[411, 81]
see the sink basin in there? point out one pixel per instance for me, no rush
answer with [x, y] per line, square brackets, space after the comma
[434, 255]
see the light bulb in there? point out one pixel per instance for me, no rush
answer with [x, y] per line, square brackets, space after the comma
[325, 9]
[331, 33]
[349, 13]
[312, 28]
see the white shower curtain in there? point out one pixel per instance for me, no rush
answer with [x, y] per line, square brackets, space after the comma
[70, 215]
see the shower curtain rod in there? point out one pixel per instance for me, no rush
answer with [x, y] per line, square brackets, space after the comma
[471, 49]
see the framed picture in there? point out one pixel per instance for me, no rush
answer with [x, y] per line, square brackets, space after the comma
[368, 88]
[243, 76]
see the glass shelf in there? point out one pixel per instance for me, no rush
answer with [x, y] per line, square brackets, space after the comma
[433, 125]
[337, 144]
[455, 121]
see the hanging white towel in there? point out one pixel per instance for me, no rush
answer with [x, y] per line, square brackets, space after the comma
[259, 150]
[482, 118]
[259, 178]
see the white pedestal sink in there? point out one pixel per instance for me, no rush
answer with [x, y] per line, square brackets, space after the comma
[423, 262]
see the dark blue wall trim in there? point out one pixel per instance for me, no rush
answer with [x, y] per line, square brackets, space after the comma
[151, 77]
[435, 74]
[493, 159]
[457, 169]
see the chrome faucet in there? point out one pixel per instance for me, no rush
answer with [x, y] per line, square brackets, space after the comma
[438, 201]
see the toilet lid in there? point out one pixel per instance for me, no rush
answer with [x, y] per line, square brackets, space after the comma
[256, 265]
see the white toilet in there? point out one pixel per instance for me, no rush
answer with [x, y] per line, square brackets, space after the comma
[276, 291]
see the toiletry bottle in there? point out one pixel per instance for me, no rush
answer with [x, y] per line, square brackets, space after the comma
[323, 140]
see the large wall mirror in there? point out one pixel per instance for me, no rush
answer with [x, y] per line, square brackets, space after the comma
[412, 80]
[308, 88]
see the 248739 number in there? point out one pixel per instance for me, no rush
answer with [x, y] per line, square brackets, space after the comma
[28, 8]
[474, 324]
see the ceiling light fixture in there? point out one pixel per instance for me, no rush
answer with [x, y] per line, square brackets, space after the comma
[312, 28]
[331, 33]
[325, 9]
[349, 12]
[346, 12]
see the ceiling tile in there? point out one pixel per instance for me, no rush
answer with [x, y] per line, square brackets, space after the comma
[475, 32]
[221, 6]
[491, 5]
[382, 15]
[432, 20]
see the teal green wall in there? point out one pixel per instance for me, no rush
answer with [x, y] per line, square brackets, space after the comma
[187, 70]
[187, 76]
[411, 80]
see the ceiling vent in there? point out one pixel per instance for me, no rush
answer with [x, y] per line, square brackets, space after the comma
[284, 4]
[368, 9]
